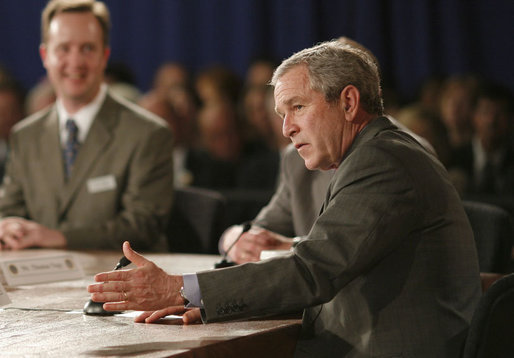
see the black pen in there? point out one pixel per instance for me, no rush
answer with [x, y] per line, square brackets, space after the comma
[122, 263]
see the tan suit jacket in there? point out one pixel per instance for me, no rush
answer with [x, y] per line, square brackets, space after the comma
[389, 268]
[121, 186]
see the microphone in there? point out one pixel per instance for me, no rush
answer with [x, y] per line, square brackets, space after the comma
[122, 263]
[96, 308]
[224, 263]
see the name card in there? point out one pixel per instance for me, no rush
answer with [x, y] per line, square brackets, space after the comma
[268, 254]
[99, 184]
[39, 269]
[4, 299]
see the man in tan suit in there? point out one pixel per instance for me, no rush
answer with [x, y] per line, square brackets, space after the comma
[92, 170]
[389, 267]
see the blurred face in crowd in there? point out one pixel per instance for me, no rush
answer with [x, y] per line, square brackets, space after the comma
[75, 57]
[491, 123]
[314, 125]
[259, 74]
[255, 109]
[456, 107]
[219, 133]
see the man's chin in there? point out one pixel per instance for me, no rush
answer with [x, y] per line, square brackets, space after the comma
[309, 165]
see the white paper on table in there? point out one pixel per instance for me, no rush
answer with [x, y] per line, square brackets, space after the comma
[134, 314]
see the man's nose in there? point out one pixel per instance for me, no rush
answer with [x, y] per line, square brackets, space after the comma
[289, 128]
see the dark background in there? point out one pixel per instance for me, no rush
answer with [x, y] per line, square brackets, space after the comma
[412, 39]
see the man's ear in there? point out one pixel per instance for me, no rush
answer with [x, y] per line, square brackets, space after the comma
[349, 101]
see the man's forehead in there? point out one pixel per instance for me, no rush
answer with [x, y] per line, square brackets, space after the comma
[295, 78]
[67, 24]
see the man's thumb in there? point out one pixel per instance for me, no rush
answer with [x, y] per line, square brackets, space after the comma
[133, 256]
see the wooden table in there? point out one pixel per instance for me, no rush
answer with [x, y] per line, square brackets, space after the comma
[47, 320]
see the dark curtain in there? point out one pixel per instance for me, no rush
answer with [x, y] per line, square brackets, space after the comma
[413, 39]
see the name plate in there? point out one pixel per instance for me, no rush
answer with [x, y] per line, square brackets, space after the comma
[4, 299]
[31, 270]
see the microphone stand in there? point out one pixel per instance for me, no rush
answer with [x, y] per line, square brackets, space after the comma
[96, 308]
[224, 262]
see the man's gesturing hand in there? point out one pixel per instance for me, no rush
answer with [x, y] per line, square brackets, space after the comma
[145, 288]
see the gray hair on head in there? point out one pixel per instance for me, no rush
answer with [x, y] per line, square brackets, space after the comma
[332, 66]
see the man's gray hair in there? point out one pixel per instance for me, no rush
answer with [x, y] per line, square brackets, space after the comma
[332, 66]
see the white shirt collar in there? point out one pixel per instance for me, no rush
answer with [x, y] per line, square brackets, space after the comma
[83, 117]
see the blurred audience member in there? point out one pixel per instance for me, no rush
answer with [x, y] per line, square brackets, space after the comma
[11, 111]
[172, 80]
[160, 105]
[213, 164]
[259, 72]
[428, 125]
[220, 132]
[224, 160]
[456, 108]
[168, 76]
[121, 81]
[259, 128]
[40, 96]
[430, 93]
[218, 84]
[488, 160]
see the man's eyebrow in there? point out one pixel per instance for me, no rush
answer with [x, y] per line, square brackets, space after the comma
[291, 100]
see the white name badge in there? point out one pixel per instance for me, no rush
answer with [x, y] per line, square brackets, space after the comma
[268, 254]
[31, 270]
[4, 299]
[103, 183]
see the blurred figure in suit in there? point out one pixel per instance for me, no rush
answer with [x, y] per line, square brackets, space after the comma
[93, 169]
[488, 160]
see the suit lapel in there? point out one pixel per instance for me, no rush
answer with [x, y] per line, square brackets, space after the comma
[96, 142]
[51, 153]
[371, 130]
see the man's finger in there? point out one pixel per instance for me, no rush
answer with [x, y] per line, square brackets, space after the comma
[111, 276]
[142, 317]
[117, 306]
[192, 316]
[112, 286]
[12, 242]
[133, 256]
[157, 315]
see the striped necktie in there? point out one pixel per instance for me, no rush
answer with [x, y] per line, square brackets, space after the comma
[72, 146]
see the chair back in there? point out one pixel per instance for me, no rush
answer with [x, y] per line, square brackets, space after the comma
[196, 220]
[491, 333]
[493, 230]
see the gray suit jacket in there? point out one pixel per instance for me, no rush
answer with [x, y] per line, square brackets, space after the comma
[300, 193]
[389, 268]
[121, 187]
[297, 201]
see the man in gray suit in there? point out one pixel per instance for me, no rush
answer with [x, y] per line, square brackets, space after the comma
[389, 267]
[296, 203]
[92, 170]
